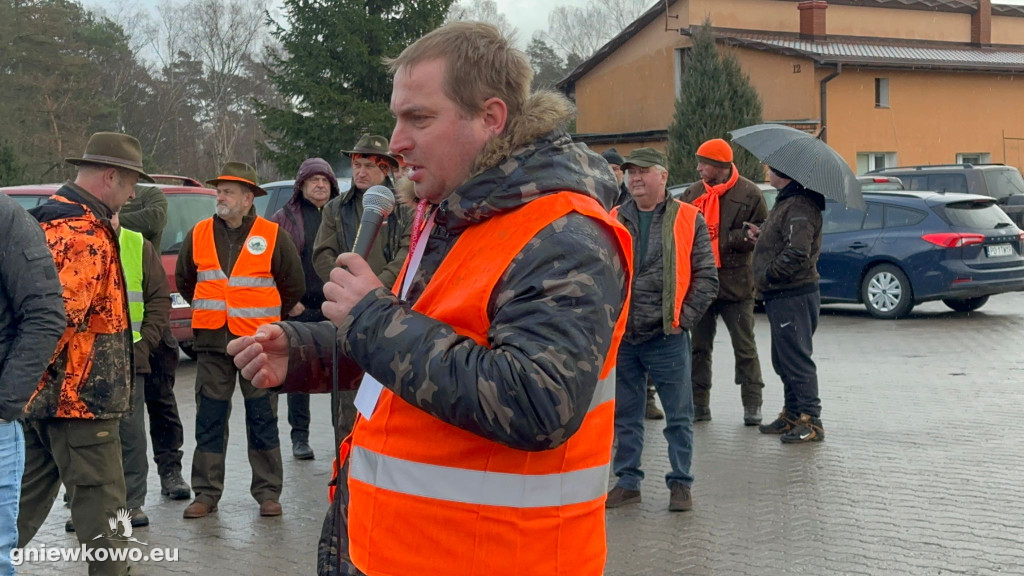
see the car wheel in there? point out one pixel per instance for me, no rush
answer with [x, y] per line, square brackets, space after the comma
[186, 347]
[966, 304]
[886, 292]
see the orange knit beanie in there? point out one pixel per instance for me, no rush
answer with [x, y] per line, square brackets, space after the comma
[716, 152]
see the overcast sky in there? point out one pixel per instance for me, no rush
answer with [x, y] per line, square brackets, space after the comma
[526, 15]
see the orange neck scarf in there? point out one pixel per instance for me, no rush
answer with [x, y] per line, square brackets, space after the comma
[709, 206]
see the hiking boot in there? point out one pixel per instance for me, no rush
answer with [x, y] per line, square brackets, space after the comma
[680, 499]
[751, 415]
[784, 423]
[139, 518]
[174, 486]
[619, 496]
[198, 509]
[302, 451]
[270, 508]
[701, 413]
[653, 412]
[806, 429]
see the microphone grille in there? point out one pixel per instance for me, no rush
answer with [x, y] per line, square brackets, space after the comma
[379, 199]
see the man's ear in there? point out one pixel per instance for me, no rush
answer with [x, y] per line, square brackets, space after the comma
[495, 114]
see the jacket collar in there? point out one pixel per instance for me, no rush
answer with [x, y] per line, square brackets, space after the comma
[76, 193]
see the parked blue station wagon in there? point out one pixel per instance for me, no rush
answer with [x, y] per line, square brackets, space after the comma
[910, 247]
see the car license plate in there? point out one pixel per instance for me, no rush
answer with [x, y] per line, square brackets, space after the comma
[177, 301]
[998, 250]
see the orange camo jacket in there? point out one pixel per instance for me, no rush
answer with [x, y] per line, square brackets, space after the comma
[89, 373]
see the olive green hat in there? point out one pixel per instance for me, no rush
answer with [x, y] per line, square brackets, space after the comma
[239, 172]
[375, 145]
[113, 149]
[644, 158]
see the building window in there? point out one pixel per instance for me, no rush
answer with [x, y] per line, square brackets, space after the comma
[868, 161]
[973, 158]
[881, 92]
[680, 54]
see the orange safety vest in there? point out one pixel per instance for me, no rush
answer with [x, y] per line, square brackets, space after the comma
[427, 497]
[683, 229]
[246, 300]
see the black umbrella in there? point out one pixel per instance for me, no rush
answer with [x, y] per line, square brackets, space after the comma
[803, 158]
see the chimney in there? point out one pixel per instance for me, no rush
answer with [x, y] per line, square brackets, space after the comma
[981, 24]
[812, 19]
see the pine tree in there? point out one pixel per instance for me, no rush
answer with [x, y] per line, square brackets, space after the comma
[716, 97]
[331, 74]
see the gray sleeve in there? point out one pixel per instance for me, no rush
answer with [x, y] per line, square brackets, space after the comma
[703, 277]
[32, 290]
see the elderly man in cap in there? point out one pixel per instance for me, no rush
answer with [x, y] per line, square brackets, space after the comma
[728, 201]
[674, 281]
[238, 271]
[73, 418]
[615, 161]
[315, 185]
[371, 166]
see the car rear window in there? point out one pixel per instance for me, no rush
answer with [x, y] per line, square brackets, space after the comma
[184, 211]
[1004, 183]
[896, 216]
[983, 215]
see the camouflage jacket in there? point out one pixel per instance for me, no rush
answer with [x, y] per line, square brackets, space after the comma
[90, 375]
[552, 313]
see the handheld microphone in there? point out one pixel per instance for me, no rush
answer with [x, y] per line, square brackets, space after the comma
[378, 203]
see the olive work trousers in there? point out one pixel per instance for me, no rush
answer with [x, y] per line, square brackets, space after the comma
[215, 383]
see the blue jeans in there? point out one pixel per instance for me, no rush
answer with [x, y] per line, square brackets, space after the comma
[12, 457]
[667, 360]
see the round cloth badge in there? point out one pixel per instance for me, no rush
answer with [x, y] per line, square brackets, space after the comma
[256, 245]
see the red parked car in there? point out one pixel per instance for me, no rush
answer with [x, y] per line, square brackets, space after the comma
[187, 204]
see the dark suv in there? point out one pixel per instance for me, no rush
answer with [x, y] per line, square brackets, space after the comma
[1004, 183]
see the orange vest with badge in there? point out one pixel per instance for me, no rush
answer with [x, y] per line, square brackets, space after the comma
[683, 227]
[427, 497]
[248, 298]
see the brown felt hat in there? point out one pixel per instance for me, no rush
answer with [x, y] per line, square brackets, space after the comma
[239, 172]
[113, 149]
[372, 144]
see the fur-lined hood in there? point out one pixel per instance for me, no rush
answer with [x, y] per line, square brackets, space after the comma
[534, 157]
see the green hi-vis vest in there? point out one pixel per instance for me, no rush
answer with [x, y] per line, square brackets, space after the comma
[131, 260]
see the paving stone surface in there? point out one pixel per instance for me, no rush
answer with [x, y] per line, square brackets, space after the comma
[921, 472]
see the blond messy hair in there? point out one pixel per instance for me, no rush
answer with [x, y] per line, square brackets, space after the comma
[480, 63]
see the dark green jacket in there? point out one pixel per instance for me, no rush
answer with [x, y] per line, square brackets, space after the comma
[146, 214]
[653, 295]
[337, 234]
[285, 266]
[742, 203]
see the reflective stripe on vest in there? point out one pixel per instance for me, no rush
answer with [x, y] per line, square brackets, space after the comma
[131, 244]
[249, 297]
[467, 505]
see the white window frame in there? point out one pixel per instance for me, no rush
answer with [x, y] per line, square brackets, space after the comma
[869, 161]
[881, 92]
[969, 158]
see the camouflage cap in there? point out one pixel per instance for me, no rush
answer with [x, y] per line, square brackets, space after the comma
[239, 172]
[644, 158]
[375, 145]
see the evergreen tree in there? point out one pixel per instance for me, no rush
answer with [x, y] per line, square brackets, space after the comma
[548, 67]
[331, 75]
[12, 172]
[716, 97]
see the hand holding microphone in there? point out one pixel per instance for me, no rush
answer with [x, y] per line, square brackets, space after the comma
[353, 279]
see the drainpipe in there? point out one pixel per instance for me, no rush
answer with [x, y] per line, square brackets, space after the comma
[824, 101]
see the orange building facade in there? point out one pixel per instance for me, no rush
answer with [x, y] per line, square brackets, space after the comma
[888, 82]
